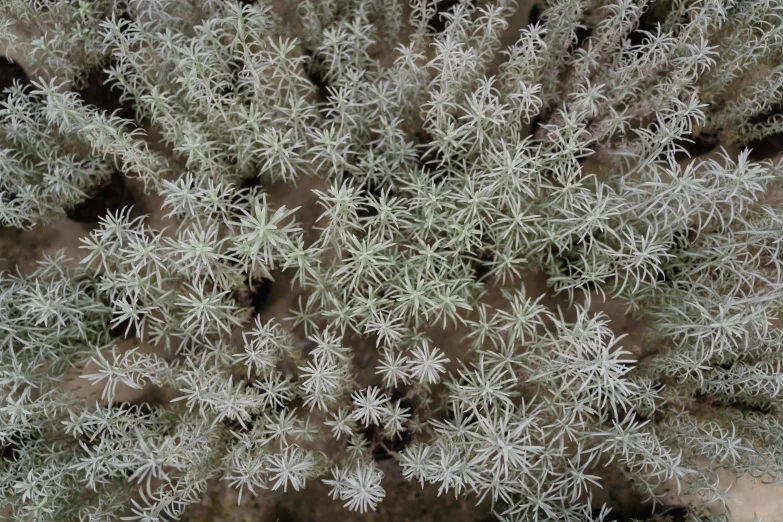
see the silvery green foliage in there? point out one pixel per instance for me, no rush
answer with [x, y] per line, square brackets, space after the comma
[44, 171]
[449, 168]
[56, 38]
[54, 149]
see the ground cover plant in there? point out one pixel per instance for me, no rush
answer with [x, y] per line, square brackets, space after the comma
[621, 150]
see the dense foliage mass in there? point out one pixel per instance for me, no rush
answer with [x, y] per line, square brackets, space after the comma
[450, 166]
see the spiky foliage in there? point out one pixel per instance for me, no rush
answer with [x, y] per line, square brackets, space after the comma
[450, 168]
